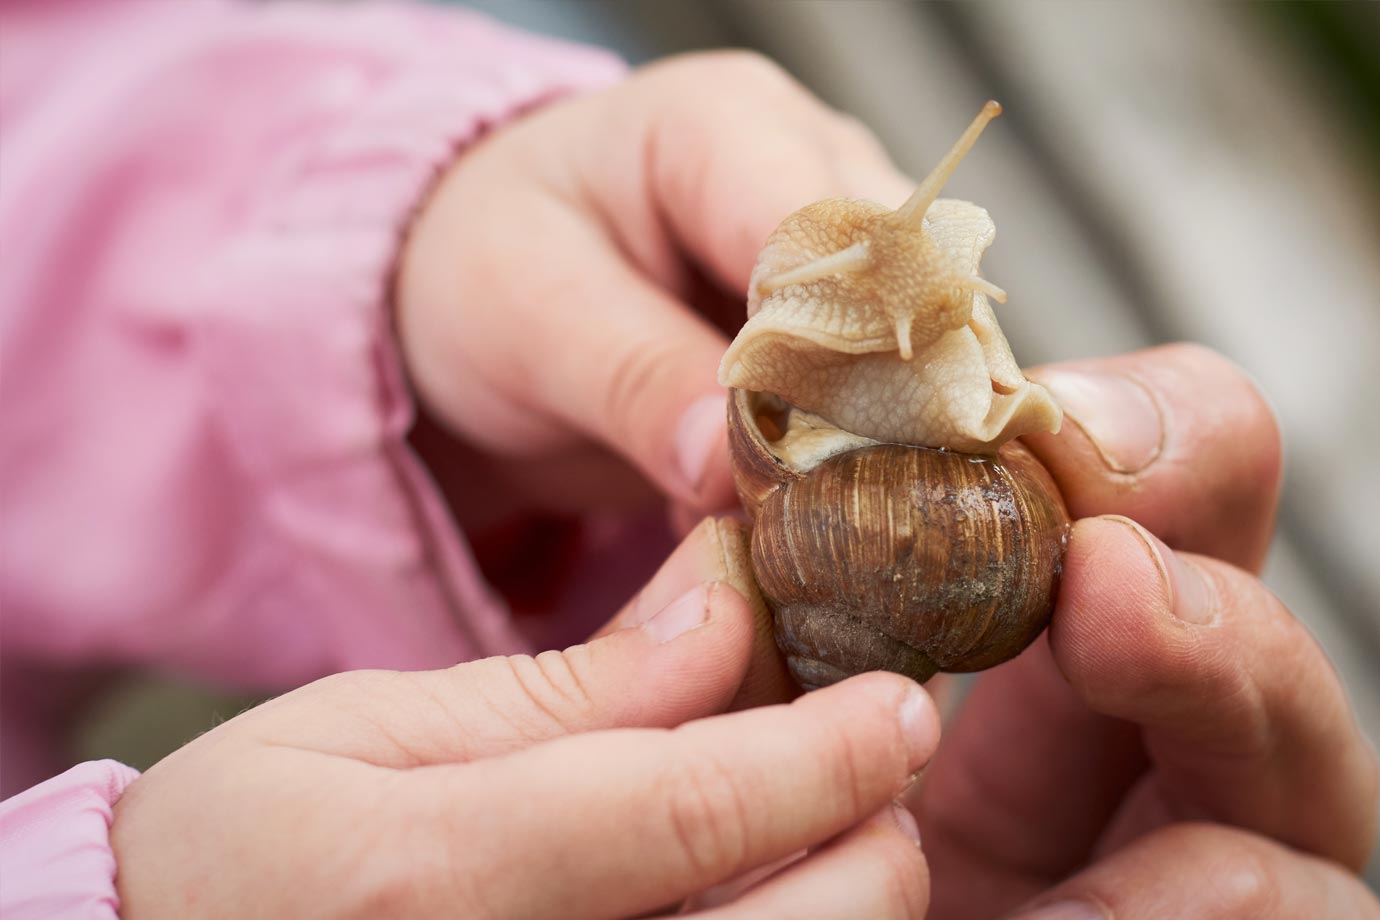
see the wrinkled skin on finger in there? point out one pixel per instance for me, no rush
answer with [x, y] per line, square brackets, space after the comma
[1171, 685]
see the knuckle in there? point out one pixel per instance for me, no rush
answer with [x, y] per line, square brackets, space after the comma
[709, 817]
[1244, 868]
[744, 68]
[847, 779]
[552, 700]
[560, 672]
[731, 71]
[863, 760]
[633, 377]
[1249, 881]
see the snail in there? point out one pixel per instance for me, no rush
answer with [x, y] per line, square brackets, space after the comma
[873, 406]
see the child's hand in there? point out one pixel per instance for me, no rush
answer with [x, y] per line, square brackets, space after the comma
[544, 787]
[565, 292]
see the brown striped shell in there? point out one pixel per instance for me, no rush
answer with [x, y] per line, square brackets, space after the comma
[899, 558]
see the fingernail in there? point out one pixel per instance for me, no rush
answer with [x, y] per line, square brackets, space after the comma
[919, 723]
[1118, 415]
[700, 434]
[1066, 910]
[905, 822]
[1192, 597]
[680, 616]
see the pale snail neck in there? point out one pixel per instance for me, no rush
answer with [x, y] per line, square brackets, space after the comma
[803, 440]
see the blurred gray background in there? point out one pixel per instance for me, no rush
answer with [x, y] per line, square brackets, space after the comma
[1163, 171]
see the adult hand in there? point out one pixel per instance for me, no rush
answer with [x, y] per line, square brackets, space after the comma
[1179, 746]
[562, 313]
[543, 787]
[566, 292]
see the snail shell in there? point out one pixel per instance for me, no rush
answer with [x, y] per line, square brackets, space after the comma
[898, 558]
[897, 524]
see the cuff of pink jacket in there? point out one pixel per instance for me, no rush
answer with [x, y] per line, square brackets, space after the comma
[55, 855]
[312, 395]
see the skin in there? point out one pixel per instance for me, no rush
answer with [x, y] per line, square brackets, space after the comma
[622, 225]
[1176, 746]
[1171, 689]
[526, 787]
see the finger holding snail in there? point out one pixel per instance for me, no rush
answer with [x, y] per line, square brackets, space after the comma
[1177, 438]
[1244, 719]
[1139, 439]
[1172, 687]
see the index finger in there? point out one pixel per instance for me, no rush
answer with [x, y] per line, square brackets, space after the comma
[621, 822]
[735, 145]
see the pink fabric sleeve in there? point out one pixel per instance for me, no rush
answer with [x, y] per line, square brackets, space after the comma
[202, 456]
[55, 858]
[202, 461]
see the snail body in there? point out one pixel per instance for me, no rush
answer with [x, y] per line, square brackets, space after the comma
[896, 523]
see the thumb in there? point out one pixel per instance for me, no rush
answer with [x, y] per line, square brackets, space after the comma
[717, 548]
[680, 653]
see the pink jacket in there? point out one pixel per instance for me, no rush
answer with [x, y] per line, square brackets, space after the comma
[202, 456]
